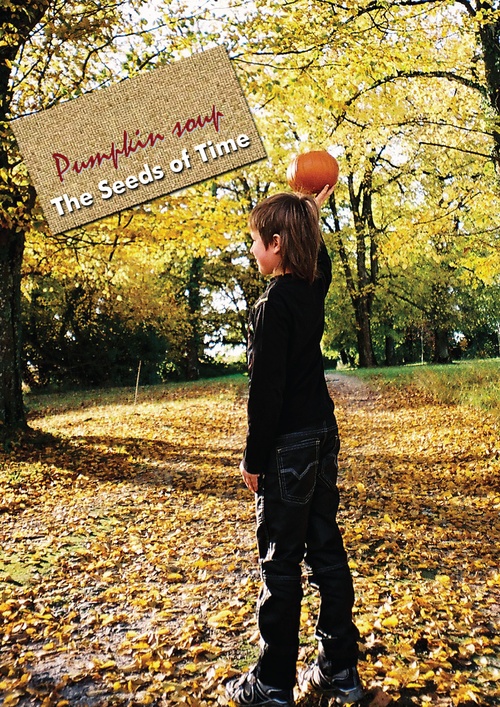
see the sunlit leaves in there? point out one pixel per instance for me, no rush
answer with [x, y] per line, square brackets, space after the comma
[397, 91]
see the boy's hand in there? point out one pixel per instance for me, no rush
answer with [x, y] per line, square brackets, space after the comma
[251, 480]
[324, 194]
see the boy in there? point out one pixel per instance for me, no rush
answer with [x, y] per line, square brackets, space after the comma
[290, 463]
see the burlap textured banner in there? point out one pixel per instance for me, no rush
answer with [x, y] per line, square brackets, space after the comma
[139, 139]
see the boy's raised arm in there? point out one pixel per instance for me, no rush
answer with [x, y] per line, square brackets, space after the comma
[324, 194]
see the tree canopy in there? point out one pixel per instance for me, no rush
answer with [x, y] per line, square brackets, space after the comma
[404, 94]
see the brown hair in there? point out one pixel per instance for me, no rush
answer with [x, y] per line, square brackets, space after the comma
[295, 217]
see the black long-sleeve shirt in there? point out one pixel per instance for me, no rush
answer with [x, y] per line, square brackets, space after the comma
[287, 390]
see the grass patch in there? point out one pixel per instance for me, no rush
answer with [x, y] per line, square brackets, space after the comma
[44, 403]
[474, 383]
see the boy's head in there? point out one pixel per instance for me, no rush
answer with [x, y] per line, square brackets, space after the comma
[288, 226]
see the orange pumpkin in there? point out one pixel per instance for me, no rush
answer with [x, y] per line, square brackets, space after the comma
[309, 172]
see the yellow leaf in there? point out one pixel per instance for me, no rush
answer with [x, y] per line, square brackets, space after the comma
[393, 682]
[192, 667]
[205, 648]
[390, 621]
[220, 618]
[443, 579]
[364, 626]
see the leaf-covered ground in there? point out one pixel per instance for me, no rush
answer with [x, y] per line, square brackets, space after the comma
[128, 571]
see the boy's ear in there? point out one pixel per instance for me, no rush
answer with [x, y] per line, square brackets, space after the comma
[276, 243]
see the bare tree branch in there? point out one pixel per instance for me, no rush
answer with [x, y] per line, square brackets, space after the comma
[453, 147]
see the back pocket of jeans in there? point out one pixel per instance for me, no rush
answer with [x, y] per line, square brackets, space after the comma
[329, 468]
[297, 469]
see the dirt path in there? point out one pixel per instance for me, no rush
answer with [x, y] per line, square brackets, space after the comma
[128, 561]
[421, 496]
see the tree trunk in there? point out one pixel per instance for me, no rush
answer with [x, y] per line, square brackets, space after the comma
[12, 413]
[441, 348]
[361, 282]
[17, 20]
[390, 350]
[344, 357]
[194, 342]
[489, 34]
[364, 336]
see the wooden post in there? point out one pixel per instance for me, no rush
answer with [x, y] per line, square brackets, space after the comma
[137, 382]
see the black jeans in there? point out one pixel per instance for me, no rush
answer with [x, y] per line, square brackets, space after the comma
[296, 508]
